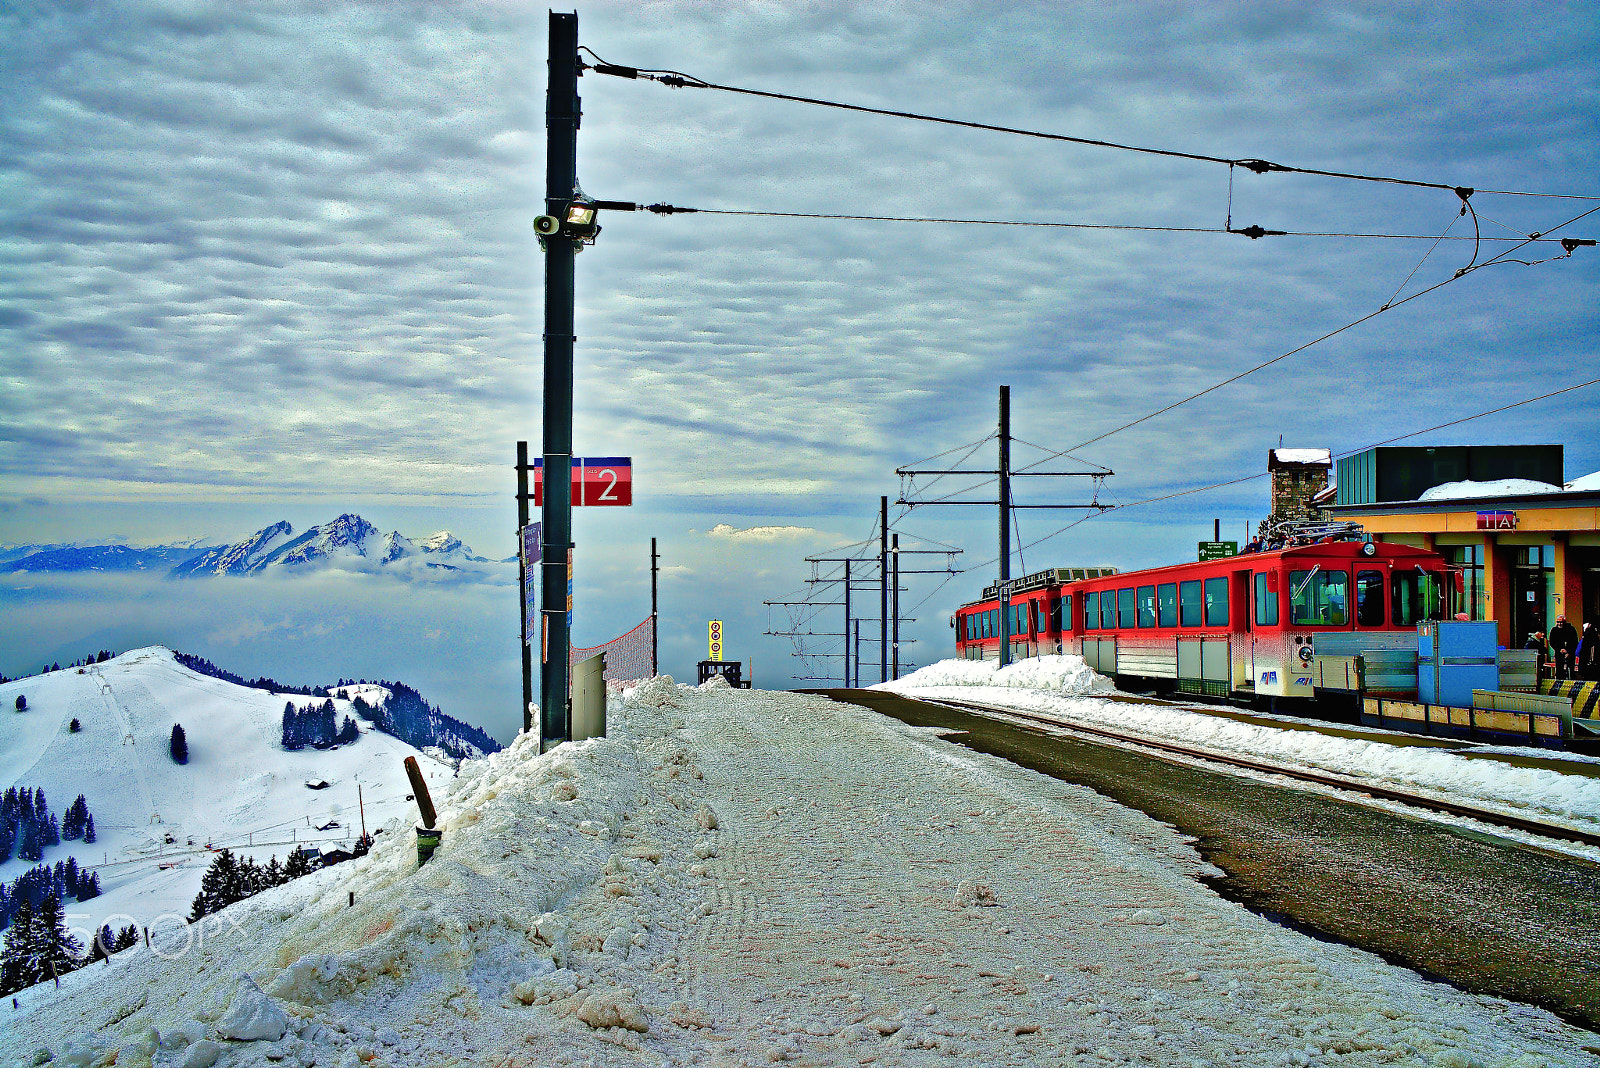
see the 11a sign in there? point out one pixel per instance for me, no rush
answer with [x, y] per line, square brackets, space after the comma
[597, 481]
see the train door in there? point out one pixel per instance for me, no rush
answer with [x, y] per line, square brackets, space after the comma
[1240, 631]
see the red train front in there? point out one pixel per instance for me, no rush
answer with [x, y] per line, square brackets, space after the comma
[1245, 625]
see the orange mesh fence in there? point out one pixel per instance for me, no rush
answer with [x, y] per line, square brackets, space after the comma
[627, 656]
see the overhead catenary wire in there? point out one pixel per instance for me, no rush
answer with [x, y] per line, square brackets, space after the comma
[680, 80]
[1388, 306]
[1253, 232]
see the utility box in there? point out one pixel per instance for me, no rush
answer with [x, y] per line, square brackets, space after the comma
[731, 670]
[1455, 657]
[589, 698]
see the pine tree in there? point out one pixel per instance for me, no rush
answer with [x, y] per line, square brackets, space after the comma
[28, 846]
[105, 944]
[74, 726]
[18, 958]
[62, 952]
[272, 875]
[88, 830]
[127, 938]
[179, 745]
[22, 703]
[299, 864]
[88, 886]
[291, 728]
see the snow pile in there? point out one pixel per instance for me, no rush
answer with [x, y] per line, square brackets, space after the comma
[1065, 675]
[741, 877]
[1587, 483]
[1478, 778]
[1504, 487]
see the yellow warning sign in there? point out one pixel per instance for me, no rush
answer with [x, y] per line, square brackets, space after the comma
[714, 633]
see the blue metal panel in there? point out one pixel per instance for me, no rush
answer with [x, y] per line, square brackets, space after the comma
[1455, 657]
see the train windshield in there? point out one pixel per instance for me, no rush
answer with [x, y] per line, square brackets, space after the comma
[1417, 595]
[1319, 598]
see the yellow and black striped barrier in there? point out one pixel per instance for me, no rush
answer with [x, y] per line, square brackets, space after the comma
[1585, 696]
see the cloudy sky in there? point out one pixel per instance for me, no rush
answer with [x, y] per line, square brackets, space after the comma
[275, 261]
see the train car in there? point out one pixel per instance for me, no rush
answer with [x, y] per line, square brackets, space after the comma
[1244, 626]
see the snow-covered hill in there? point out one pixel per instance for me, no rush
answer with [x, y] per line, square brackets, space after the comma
[154, 818]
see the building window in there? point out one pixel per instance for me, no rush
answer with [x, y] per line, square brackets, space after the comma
[1473, 594]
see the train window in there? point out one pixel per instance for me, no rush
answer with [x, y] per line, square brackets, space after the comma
[1266, 601]
[1217, 601]
[1189, 603]
[1108, 610]
[1415, 596]
[1091, 611]
[1369, 598]
[1064, 616]
[992, 617]
[1147, 606]
[1167, 604]
[1318, 598]
[1125, 608]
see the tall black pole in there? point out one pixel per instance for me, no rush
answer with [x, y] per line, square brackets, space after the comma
[847, 624]
[655, 630]
[522, 585]
[894, 554]
[561, 179]
[883, 594]
[1005, 525]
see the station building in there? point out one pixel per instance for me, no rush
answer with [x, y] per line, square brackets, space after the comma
[1529, 550]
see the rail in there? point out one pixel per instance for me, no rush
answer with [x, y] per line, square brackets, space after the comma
[1338, 782]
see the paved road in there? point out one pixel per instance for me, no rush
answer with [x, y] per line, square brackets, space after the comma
[1470, 910]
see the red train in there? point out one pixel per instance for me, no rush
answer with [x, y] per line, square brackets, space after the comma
[1244, 626]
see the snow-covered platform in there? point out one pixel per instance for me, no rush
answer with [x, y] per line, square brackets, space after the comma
[738, 877]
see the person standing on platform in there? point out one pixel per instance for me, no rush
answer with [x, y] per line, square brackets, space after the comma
[1563, 642]
[1587, 660]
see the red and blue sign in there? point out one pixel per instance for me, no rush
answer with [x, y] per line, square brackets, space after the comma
[597, 481]
[1497, 520]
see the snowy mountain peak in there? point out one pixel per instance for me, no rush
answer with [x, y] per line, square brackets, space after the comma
[241, 558]
[347, 543]
[442, 542]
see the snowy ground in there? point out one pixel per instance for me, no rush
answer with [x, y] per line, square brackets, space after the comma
[747, 878]
[1061, 687]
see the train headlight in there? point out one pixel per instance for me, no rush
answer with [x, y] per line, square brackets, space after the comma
[1305, 654]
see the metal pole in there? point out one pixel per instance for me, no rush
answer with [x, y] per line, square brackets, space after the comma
[1005, 525]
[847, 624]
[894, 555]
[561, 179]
[522, 585]
[655, 642]
[883, 595]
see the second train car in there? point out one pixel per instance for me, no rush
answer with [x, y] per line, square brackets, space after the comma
[1244, 626]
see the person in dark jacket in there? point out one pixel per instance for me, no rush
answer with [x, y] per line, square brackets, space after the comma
[1563, 643]
[1587, 659]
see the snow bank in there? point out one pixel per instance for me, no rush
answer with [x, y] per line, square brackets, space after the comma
[1479, 778]
[1066, 674]
[1504, 487]
[738, 877]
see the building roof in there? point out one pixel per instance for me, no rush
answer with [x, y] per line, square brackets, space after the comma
[1558, 499]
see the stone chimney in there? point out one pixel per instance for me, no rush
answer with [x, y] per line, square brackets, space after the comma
[1298, 477]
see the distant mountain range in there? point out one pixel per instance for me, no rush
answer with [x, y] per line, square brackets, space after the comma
[348, 543]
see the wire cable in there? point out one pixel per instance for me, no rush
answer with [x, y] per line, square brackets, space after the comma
[1252, 232]
[679, 80]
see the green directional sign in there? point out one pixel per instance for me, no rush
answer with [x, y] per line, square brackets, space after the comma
[1217, 550]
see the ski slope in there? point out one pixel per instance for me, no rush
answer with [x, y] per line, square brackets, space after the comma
[156, 820]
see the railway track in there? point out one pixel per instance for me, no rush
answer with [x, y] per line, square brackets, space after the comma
[1338, 782]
